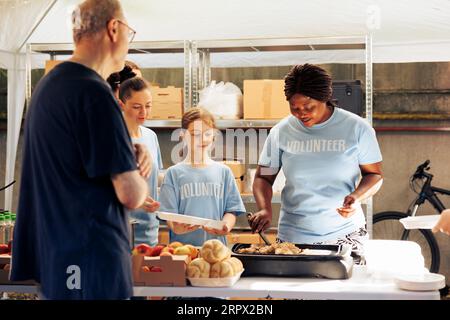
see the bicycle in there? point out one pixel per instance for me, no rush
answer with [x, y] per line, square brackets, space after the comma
[386, 224]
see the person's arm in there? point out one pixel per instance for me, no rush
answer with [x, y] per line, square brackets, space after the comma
[131, 189]
[143, 160]
[150, 204]
[262, 191]
[181, 228]
[443, 224]
[371, 181]
[230, 221]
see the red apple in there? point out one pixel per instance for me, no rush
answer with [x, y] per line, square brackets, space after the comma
[144, 249]
[4, 248]
[155, 269]
[157, 250]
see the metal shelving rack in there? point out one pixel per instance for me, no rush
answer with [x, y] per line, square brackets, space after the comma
[201, 69]
[197, 72]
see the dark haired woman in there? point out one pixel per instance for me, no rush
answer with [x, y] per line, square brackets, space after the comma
[130, 70]
[135, 100]
[331, 160]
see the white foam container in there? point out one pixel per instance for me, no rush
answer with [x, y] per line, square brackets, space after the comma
[420, 222]
[421, 282]
[215, 282]
[187, 219]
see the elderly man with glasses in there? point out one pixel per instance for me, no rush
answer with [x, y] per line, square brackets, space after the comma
[80, 169]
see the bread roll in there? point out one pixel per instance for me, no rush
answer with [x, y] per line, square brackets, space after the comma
[198, 268]
[237, 265]
[214, 251]
[222, 269]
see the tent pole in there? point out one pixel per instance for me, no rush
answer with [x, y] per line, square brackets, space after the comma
[37, 24]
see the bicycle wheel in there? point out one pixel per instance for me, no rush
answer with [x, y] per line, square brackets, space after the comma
[386, 225]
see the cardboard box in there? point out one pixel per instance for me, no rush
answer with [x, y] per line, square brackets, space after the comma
[50, 64]
[237, 167]
[265, 99]
[167, 103]
[4, 274]
[240, 184]
[173, 272]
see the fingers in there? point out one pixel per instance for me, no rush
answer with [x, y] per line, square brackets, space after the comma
[346, 212]
[217, 232]
[144, 160]
[145, 167]
[152, 207]
[260, 223]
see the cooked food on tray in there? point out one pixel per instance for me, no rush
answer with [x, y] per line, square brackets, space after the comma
[275, 248]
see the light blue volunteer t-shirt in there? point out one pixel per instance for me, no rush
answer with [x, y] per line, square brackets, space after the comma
[146, 231]
[207, 192]
[321, 165]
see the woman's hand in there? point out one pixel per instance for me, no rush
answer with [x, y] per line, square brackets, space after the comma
[443, 224]
[150, 205]
[348, 209]
[260, 220]
[180, 228]
[143, 159]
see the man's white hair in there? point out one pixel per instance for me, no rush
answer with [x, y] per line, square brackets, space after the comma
[92, 16]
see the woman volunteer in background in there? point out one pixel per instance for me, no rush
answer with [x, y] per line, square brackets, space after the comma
[135, 99]
[323, 151]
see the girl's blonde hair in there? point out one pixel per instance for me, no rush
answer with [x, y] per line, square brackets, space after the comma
[198, 113]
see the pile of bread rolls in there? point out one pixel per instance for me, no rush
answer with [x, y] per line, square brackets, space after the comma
[215, 262]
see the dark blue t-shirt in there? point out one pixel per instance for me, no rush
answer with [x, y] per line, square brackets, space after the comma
[71, 233]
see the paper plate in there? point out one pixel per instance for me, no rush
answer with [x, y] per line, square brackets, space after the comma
[183, 218]
[420, 222]
[423, 282]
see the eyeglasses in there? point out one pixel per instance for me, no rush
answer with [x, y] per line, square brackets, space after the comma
[131, 31]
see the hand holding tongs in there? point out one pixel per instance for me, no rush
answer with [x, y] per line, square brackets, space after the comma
[261, 234]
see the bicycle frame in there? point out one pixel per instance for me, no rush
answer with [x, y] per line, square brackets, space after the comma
[428, 192]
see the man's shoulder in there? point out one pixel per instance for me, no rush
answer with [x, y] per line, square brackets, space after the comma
[76, 79]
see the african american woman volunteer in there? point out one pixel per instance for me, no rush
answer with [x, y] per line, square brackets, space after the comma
[331, 160]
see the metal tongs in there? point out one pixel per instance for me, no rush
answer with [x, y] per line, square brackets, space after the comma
[261, 233]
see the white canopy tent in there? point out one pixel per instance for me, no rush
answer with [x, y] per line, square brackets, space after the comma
[403, 31]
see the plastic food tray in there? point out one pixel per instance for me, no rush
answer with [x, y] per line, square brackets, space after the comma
[215, 282]
[420, 222]
[321, 261]
[187, 219]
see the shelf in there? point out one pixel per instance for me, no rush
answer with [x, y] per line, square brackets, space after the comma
[221, 124]
[135, 47]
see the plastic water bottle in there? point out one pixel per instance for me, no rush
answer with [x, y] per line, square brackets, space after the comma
[13, 223]
[2, 229]
[7, 222]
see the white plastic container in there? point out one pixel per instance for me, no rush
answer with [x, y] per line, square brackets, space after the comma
[420, 222]
[391, 258]
[187, 219]
[215, 282]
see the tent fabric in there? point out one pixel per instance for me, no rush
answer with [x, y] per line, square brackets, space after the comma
[16, 103]
[402, 30]
[17, 19]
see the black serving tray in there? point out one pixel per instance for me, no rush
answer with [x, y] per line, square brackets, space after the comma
[336, 265]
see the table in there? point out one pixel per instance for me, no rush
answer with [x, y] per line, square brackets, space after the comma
[361, 286]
